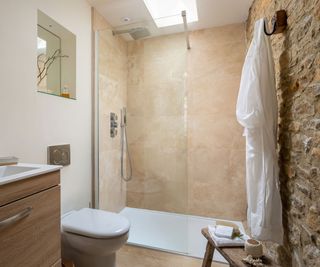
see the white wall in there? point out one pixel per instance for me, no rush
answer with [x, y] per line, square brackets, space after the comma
[30, 121]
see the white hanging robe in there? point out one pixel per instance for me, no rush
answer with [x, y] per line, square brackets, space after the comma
[257, 113]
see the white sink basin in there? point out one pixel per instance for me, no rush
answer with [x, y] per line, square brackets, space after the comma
[12, 173]
[11, 170]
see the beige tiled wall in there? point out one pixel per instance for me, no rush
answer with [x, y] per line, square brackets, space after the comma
[216, 148]
[187, 147]
[112, 71]
[156, 123]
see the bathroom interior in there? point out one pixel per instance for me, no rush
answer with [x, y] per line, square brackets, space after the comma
[133, 130]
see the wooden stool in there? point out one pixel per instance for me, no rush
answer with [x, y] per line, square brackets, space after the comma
[67, 263]
[233, 255]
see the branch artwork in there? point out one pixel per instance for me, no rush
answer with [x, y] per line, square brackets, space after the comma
[44, 63]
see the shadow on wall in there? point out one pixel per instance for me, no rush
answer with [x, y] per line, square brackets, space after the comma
[283, 141]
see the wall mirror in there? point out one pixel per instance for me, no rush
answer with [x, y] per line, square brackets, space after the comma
[56, 58]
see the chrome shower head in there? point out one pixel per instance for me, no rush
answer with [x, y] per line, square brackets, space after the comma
[136, 33]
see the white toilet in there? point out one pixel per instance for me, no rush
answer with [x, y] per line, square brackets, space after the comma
[90, 237]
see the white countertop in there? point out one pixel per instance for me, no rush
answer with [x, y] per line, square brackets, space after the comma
[20, 171]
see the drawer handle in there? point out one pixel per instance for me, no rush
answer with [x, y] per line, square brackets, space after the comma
[15, 218]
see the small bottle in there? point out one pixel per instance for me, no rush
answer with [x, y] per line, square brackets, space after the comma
[65, 91]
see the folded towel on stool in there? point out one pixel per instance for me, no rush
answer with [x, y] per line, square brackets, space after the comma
[227, 242]
[223, 231]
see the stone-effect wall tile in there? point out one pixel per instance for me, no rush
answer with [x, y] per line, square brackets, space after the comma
[112, 60]
[186, 147]
[182, 115]
[156, 123]
[216, 158]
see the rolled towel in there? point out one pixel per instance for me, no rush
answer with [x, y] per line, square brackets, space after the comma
[227, 242]
[224, 231]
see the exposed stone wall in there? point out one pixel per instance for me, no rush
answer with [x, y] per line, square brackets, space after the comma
[297, 62]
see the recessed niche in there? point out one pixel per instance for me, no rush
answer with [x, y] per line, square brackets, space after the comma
[56, 58]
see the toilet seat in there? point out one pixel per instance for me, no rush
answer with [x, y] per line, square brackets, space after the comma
[95, 223]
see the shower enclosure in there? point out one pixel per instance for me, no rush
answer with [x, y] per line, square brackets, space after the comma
[148, 76]
[156, 95]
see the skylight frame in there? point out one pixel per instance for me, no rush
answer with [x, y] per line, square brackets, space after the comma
[166, 13]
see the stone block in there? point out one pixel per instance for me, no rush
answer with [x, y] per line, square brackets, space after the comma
[303, 189]
[307, 143]
[307, 236]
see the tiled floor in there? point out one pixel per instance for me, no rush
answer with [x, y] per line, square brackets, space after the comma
[131, 256]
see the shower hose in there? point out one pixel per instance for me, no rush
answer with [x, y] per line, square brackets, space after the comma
[124, 146]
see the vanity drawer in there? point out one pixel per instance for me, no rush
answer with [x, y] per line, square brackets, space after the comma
[19, 189]
[30, 230]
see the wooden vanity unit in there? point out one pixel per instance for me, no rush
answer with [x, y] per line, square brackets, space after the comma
[30, 222]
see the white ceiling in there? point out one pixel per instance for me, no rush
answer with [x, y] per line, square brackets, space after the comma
[211, 13]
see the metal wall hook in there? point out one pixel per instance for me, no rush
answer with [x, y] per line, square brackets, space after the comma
[279, 23]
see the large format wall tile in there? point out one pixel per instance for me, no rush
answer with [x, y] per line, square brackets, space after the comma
[112, 84]
[186, 146]
[157, 123]
[216, 172]
[182, 123]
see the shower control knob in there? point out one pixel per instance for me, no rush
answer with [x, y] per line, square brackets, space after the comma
[113, 124]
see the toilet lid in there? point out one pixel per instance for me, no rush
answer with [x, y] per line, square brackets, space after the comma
[95, 223]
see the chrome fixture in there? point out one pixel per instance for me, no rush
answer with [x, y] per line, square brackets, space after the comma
[136, 33]
[124, 145]
[185, 24]
[113, 125]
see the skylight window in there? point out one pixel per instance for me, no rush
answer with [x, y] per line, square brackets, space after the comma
[168, 12]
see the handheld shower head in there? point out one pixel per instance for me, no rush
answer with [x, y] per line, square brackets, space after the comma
[123, 113]
[125, 148]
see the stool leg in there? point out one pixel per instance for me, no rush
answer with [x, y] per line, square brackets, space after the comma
[207, 259]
